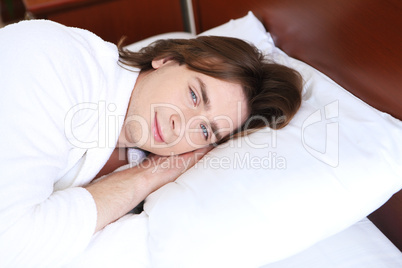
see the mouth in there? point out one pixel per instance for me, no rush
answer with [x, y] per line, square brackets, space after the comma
[157, 131]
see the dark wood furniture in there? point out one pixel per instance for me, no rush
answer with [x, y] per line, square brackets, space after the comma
[11, 10]
[112, 19]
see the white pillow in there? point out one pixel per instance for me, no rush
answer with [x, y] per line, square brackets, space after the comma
[265, 197]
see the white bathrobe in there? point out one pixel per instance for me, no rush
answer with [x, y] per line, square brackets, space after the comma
[63, 98]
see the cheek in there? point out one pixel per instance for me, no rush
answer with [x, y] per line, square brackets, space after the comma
[137, 130]
[153, 94]
[194, 136]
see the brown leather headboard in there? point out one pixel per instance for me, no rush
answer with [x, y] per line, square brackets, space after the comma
[356, 43]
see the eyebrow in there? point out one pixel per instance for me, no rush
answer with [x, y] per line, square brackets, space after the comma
[207, 105]
[204, 94]
[215, 128]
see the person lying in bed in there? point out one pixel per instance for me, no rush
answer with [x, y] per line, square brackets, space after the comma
[69, 99]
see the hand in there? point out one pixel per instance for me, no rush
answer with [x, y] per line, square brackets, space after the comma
[121, 191]
[165, 169]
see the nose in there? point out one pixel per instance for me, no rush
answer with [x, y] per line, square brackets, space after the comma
[176, 124]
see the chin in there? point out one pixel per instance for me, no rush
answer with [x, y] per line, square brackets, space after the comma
[161, 151]
[167, 151]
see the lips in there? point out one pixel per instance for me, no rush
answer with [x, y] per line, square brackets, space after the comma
[157, 131]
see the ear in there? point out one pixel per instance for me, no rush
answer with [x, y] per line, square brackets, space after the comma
[158, 63]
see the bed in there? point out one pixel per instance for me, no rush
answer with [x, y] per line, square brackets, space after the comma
[322, 192]
[355, 43]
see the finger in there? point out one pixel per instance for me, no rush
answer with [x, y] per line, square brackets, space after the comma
[189, 159]
[198, 154]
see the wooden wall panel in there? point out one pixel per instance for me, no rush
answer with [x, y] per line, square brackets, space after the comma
[135, 19]
[388, 219]
[11, 10]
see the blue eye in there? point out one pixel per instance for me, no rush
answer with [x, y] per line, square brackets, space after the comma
[193, 96]
[204, 131]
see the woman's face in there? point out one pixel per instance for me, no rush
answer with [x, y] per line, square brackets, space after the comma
[174, 110]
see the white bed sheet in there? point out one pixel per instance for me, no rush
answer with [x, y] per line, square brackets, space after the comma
[360, 246]
[121, 244]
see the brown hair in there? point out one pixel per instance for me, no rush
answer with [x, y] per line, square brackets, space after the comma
[273, 91]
